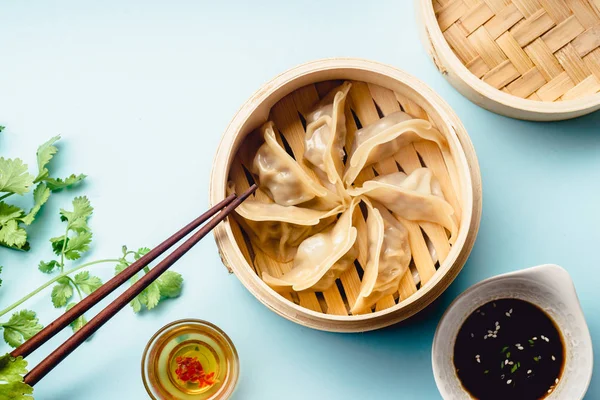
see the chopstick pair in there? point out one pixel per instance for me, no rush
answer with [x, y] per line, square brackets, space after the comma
[225, 207]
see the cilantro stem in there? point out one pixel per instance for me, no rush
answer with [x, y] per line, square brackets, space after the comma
[6, 195]
[76, 287]
[51, 281]
[62, 251]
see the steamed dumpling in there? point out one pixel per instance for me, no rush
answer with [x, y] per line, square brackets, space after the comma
[326, 135]
[280, 240]
[384, 138]
[422, 179]
[278, 230]
[321, 258]
[371, 130]
[416, 197]
[388, 257]
[282, 178]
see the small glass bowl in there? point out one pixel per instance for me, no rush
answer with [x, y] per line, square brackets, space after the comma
[209, 344]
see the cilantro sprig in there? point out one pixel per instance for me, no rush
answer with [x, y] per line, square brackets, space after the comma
[15, 179]
[168, 285]
[68, 247]
[70, 286]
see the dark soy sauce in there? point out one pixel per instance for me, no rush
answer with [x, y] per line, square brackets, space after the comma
[509, 349]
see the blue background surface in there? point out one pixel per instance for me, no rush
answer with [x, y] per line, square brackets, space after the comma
[141, 92]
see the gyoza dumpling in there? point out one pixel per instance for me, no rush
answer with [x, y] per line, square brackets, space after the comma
[321, 258]
[283, 179]
[326, 135]
[416, 197]
[422, 180]
[384, 138]
[388, 257]
[278, 230]
[367, 132]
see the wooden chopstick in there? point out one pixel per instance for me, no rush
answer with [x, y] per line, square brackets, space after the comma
[122, 300]
[61, 322]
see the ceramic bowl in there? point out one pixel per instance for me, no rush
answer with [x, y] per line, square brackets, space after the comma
[549, 287]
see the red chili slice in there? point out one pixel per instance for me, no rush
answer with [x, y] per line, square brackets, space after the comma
[189, 369]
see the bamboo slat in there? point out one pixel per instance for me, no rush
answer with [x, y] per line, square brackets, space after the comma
[477, 67]
[524, 86]
[501, 41]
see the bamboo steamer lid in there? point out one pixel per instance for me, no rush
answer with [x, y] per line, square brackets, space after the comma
[528, 59]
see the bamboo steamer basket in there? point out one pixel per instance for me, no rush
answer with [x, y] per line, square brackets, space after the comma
[376, 90]
[528, 59]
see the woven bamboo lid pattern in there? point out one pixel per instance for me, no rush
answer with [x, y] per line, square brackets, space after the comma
[544, 50]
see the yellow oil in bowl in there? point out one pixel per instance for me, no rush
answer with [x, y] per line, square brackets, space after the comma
[190, 359]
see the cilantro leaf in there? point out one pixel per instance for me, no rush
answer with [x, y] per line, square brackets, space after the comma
[150, 297]
[1, 128]
[44, 154]
[49, 266]
[170, 283]
[142, 251]
[12, 234]
[24, 247]
[86, 282]
[136, 304]
[13, 176]
[77, 219]
[77, 245]
[12, 369]
[12, 386]
[40, 196]
[58, 243]
[62, 292]
[121, 265]
[78, 323]
[57, 184]
[15, 391]
[9, 212]
[21, 326]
